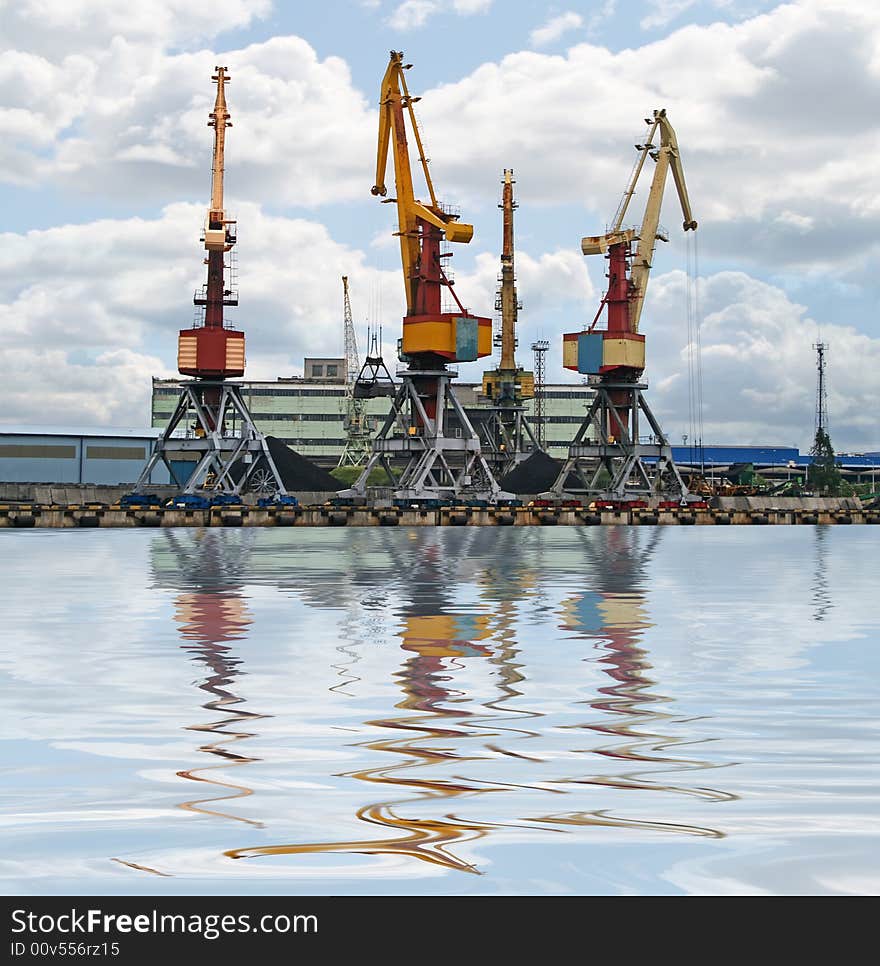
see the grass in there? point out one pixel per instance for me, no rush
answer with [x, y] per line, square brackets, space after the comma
[348, 474]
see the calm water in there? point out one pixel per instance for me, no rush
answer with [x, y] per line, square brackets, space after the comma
[474, 710]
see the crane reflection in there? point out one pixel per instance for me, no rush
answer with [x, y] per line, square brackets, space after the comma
[207, 568]
[438, 639]
[613, 612]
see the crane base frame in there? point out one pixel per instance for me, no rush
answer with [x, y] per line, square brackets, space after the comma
[506, 436]
[620, 454]
[438, 467]
[218, 451]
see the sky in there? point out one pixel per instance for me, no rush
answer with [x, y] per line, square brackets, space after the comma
[105, 161]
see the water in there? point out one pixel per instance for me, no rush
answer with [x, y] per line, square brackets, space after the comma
[440, 710]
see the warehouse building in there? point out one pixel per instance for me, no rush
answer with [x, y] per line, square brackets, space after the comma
[58, 454]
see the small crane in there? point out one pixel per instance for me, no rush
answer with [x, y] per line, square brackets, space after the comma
[508, 433]
[356, 422]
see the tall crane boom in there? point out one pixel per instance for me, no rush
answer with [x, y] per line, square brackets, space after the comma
[212, 350]
[508, 277]
[428, 331]
[219, 120]
[622, 350]
[352, 363]
[666, 157]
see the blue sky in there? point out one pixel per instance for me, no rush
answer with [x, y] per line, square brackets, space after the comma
[105, 164]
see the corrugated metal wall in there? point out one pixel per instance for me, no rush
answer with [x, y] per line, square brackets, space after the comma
[71, 458]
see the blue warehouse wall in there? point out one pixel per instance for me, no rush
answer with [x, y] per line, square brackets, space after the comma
[70, 458]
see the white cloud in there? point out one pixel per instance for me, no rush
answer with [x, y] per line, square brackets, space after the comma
[467, 7]
[302, 134]
[89, 312]
[759, 365]
[412, 14]
[53, 27]
[745, 99]
[554, 28]
[49, 386]
[545, 283]
[663, 12]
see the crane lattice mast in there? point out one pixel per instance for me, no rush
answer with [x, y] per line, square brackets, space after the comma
[508, 436]
[352, 363]
[821, 390]
[356, 422]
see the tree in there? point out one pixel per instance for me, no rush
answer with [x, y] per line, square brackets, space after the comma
[823, 474]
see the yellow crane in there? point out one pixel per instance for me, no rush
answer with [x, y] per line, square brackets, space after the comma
[508, 385]
[422, 226]
[427, 427]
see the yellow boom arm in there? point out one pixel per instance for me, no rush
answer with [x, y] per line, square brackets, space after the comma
[666, 156]
[393, 101]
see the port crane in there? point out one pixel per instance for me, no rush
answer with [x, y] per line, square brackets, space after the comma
[607, 454]
[508, 434]
[427, 426]
[221, 447]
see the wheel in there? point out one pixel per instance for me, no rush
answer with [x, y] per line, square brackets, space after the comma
[262, 481]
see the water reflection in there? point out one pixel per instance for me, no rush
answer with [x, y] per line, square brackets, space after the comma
[459, 604]
[449, 732]
[440, 701]
[210, 613]
[437, 639]
[613, 614]
[821, 595]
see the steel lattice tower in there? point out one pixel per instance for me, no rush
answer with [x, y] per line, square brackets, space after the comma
[357, 425]
[821, 391]
[539, 349]
[352, 364]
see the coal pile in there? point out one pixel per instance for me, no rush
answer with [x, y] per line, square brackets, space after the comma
[297, 472]
[533, 475]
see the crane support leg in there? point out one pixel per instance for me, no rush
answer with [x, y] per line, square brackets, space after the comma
[429, 433]
[608, 458]
[221, 448]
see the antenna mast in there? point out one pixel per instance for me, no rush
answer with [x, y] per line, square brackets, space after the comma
[821, 392]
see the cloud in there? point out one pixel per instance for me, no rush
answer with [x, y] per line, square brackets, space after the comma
[756, 107]
[302, 134]
[549, 282]
[768, 181]
[48, 386]
[759, 365]
[554, 28]
[53, 27]
[663, 12]
[89, 312]
[412, 14]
